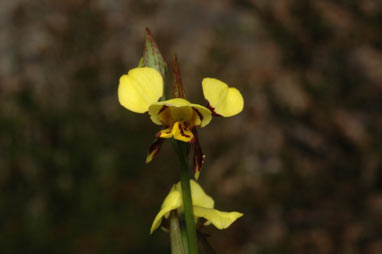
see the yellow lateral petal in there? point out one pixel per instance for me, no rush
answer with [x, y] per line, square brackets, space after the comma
[219, 219]
[171, 202]
[226, 101]
[140, 88]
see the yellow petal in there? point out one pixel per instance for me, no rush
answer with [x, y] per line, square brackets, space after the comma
[179, 110]
[202, 205]
[226, 101]
[219, 219]
[172, 201]
[199, 197]
[204, 113]
[178, 132]
[140, 88]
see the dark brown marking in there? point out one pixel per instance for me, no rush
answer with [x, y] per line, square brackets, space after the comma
[213, 110]
[182, 131]
[163, 108]
[155, 147]
[198, 113]
[199, 157]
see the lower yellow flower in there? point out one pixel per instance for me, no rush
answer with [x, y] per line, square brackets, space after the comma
[203, 206]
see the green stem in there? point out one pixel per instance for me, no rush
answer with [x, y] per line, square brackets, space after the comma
[180, 148]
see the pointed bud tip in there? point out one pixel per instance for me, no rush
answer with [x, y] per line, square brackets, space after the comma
[151, 54]
[177, 89]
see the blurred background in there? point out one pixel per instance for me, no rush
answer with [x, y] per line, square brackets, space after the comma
[302, 161]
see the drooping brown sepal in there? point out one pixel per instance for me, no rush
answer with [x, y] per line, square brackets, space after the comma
[199, 157]
[154, 149]
[152, 56]
[177, 88]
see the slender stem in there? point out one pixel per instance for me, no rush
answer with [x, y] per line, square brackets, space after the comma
[180, 148]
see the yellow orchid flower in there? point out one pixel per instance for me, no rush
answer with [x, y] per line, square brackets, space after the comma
[203, 206]
[141, 89]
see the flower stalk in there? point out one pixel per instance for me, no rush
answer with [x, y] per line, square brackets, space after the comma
[180, 149]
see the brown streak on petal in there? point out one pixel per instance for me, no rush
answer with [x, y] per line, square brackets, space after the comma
[160, 113]
[198, 113]
[212, 109]
[162, 109]
[216, 114]
[182, 131]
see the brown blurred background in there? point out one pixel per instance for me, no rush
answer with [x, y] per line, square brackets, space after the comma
[302, 161]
